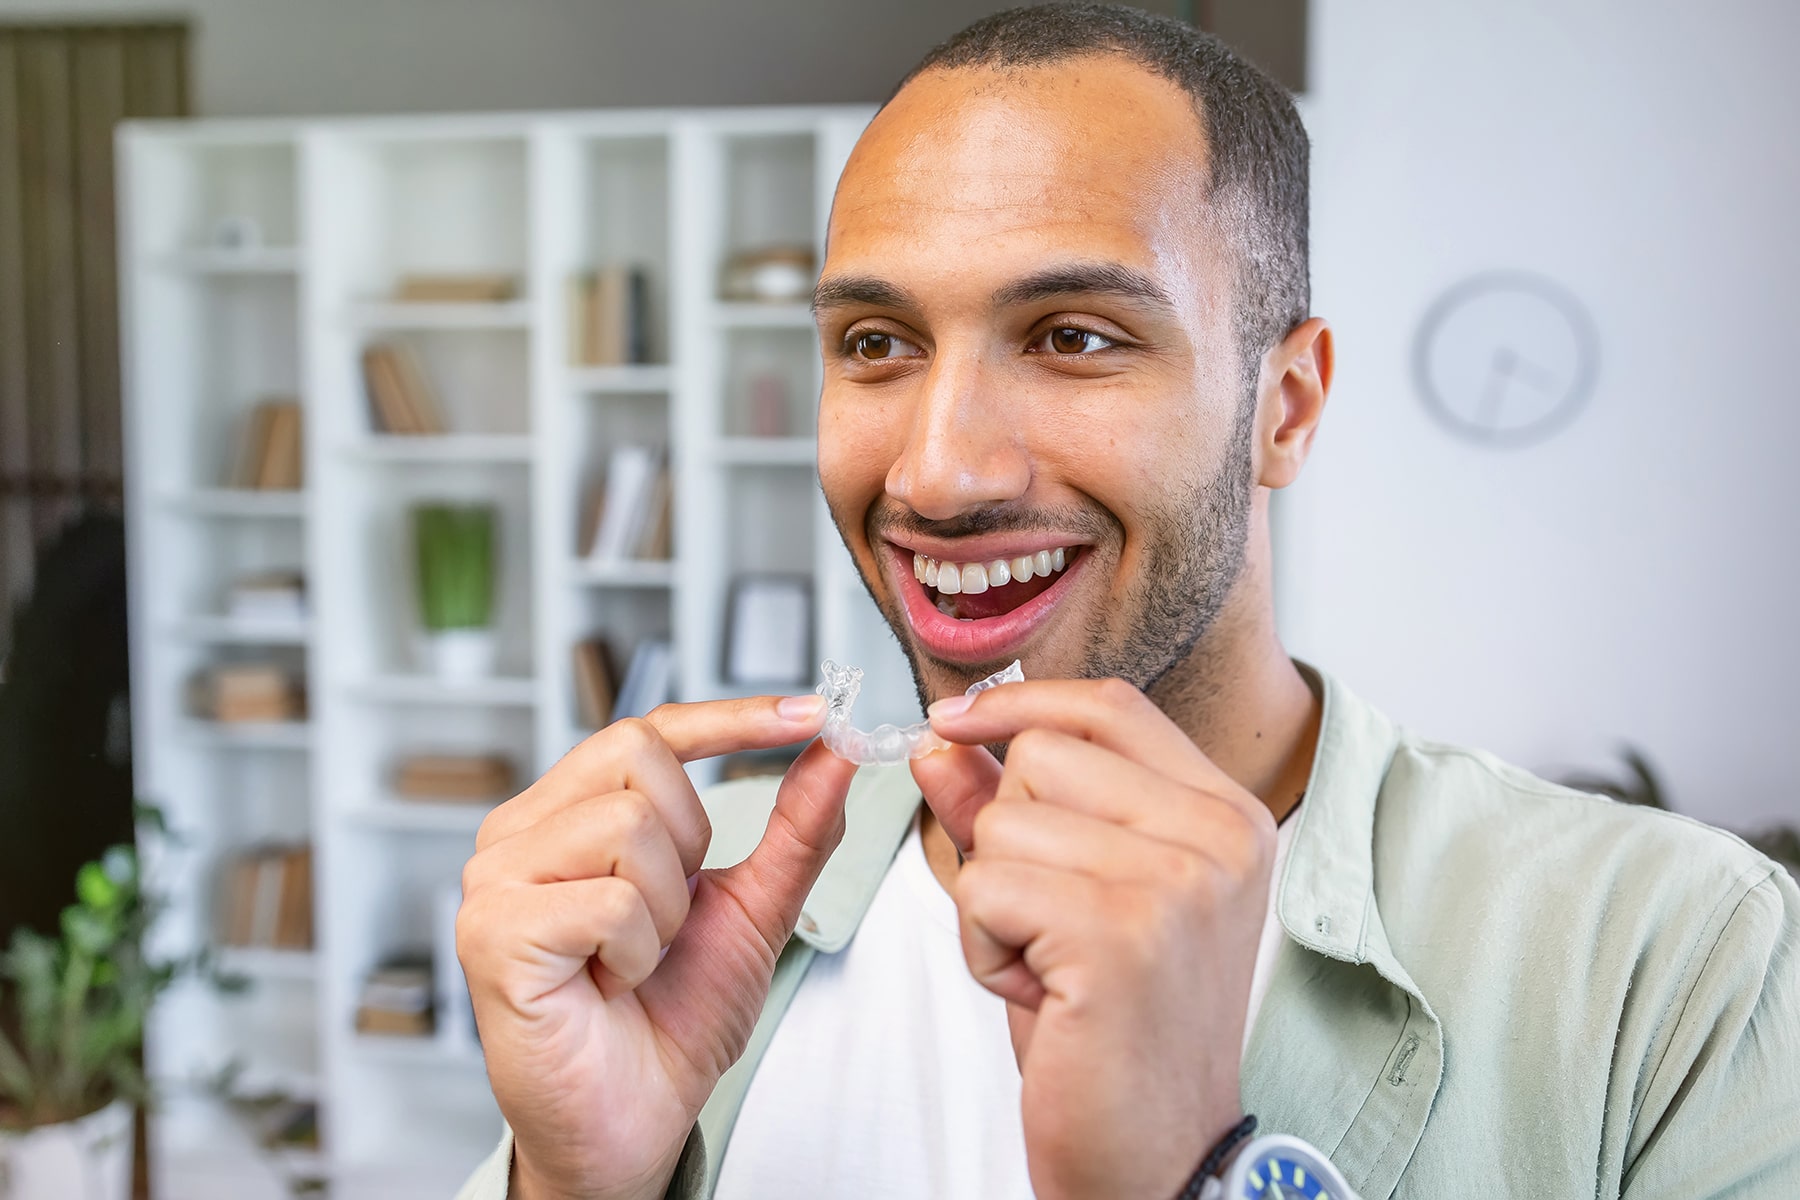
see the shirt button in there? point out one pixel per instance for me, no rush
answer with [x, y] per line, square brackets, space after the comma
[808, 924]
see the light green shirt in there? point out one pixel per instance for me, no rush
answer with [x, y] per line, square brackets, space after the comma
[1504, 988]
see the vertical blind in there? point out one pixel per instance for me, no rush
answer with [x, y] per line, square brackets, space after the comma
[62, 90]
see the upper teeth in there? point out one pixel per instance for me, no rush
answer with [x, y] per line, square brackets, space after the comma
[951, 578]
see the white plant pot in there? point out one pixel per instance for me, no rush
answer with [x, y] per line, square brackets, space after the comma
[459, 655]
[88, 1159]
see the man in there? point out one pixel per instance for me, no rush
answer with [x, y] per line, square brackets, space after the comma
[1173, 877]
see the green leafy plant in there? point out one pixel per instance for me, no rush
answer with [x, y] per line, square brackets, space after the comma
[455, 550]
[70, 1043]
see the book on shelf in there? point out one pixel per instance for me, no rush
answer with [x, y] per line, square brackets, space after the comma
[630, 517]
[270, 454]
[247, 692]
[267, 596]
[768, 636]
[267, 898]
[462, 288]
[401, 398]
[649, 680]
[471, 777]
[595, 691]
[396, 998]
[609, 316]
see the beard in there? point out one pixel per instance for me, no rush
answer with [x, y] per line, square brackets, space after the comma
[1194, 547]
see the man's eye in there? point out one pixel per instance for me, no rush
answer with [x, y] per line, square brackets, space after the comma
[874, 347]
[1066, 339]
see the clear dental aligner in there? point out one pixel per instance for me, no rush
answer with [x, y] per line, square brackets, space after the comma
[884, 743]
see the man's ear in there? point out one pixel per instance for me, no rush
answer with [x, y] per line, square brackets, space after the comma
[1290, 399]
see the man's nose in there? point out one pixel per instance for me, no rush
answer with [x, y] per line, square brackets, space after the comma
[965, 449]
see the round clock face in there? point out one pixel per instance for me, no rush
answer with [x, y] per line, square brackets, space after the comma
[1506, 359]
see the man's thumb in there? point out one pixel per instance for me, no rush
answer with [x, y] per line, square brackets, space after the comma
[803, 831]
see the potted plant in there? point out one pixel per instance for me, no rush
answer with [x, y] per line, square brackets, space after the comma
[72, 1013]
[454, 546]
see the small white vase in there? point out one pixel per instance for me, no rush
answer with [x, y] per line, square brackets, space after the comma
[87, 1159]
[459, 655]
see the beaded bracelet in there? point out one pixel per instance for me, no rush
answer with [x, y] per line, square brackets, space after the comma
[1209, 1166]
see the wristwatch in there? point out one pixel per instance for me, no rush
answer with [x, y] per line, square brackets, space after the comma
[1278, 1167]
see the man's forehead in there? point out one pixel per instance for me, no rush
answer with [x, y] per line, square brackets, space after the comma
[1094, 147]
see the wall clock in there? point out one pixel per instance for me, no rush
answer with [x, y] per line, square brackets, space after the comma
[1506, 358]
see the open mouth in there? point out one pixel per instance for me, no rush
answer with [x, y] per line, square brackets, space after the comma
[984, 610]
[979, 591]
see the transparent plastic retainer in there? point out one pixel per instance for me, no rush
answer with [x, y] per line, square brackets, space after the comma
[884, 743]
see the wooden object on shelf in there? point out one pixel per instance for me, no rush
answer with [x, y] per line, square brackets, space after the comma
[267, 898]
[473, 777]
[774, 274]
[269, 457]
[609, 316]
[248, 691]
[469, 288]
[401, 398]
[396, 998]
[595, 692]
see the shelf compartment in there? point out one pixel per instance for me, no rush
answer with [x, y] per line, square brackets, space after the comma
[627, 573]
[498, 692]
[644, 378]
[442, 448]
[396, 315]
[399, 1051]
[247, 735]
[210, 260]
[749, 314]
[237, 502]
[455, 817]
[237, 631]
[262, 963]
[767, 452]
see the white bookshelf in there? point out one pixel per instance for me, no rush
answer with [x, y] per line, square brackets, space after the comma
[343, 208]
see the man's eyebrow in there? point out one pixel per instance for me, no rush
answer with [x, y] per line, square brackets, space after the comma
[834, 291]
[1084, 279]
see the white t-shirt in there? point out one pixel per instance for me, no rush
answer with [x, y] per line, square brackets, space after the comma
[892, 1075]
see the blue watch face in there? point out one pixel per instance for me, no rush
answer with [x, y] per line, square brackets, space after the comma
[1278, 1176]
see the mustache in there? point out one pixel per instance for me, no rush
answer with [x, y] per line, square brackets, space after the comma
[889, 516]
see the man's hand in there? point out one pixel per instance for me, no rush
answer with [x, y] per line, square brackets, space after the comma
[613, 980]
[1114, 895]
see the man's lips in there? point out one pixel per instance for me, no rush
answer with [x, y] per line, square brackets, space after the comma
[990, 638]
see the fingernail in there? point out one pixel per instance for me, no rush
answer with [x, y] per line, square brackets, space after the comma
[800, 708]
[950, 706]
[693, 884]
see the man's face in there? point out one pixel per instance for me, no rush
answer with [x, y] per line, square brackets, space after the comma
[1025, 317]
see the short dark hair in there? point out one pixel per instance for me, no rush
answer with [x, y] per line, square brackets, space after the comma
[1256, 146]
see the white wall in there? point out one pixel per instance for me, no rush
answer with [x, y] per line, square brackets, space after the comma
[306, 57]
[1633, 578]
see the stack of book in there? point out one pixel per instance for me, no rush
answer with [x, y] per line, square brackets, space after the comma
[269, 457]
[396, 999]
[609, 317]
[271, 596]
[401, 398]
[476, 778]
[631, 515]
[472, 288]
[252, 692]
[267, 898]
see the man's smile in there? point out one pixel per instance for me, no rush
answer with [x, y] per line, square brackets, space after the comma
[975, 600]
